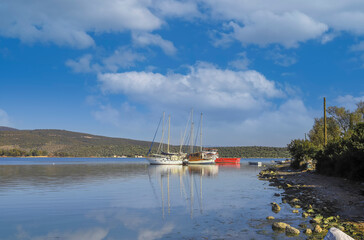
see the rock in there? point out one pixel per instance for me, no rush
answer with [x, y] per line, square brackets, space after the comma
[270, 218]
[279, 226]
[305, 215]
[317, 229]
[295, 211]
[275, 207]
[292, 231]
[335, 234]
[308, 231]
[288, 185]
[297, 206]
[310, 210]
[294, 200]
[277, 194]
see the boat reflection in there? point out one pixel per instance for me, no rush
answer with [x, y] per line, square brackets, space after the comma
[169, 175]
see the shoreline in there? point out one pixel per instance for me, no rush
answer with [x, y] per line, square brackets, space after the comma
[327, 201]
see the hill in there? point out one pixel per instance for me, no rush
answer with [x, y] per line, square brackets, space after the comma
[7, 129]
[66, 143]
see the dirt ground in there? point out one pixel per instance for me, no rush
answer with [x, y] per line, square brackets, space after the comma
[345, 197]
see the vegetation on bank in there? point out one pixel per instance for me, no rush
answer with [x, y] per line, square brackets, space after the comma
[343, 155]
[62, 143]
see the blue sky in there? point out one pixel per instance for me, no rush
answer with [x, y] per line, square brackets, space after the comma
[258, 70]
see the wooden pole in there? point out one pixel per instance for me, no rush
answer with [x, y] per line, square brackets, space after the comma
[325, 126]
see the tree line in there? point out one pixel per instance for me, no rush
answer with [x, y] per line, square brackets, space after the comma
[343, 155]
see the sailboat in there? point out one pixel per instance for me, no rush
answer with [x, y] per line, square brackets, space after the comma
[166, 158]
[204, 156]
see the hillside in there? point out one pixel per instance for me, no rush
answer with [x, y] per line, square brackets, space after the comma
[67, 143]
[7, 129]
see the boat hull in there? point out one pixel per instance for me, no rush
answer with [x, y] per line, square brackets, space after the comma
[201, 161]
[228, 160]
[163, 161]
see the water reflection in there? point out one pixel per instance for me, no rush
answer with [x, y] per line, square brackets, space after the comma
[66, 175]
[134, 201]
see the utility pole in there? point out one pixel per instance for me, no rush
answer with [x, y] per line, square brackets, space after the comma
[325, 126]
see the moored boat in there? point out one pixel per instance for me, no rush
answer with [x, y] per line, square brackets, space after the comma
[166, 158]
[207, 156]
[259, 164]
[228, 160]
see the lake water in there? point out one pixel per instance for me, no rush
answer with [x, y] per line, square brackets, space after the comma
[83, 198]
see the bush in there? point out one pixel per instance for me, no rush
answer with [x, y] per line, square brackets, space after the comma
[302, 152]
[344, 158]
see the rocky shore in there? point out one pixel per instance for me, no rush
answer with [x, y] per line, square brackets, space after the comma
[326, 201]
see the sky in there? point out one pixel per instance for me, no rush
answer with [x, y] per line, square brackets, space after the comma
[257, 70]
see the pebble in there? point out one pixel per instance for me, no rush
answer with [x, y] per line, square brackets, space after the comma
[308, 231]
[270, 218]
[275, 207]
[317, 229]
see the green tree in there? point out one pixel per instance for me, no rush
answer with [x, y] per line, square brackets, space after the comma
[302, 152]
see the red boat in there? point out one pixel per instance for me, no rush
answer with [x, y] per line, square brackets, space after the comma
[228, 160]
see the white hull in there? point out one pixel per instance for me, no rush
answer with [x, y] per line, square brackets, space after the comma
[163, 161]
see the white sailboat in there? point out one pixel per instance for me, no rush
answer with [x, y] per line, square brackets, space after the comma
[166, 158]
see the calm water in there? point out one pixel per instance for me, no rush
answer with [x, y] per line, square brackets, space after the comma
[92, 199]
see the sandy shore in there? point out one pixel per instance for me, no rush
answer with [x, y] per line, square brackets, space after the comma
[320, 195]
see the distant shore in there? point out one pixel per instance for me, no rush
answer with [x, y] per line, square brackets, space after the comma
[328, 201]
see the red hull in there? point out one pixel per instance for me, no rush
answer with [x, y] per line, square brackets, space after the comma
[228, 160]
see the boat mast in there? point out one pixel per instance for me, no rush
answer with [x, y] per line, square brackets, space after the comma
[191, 137]
[160, 148]
[169, 131]
[201, 133]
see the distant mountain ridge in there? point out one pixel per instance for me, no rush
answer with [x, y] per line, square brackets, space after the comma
[75, 144]
[2, 128]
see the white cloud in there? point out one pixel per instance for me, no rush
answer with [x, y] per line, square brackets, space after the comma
[145, 39]
[349, 101]
[4, 118]
[70, 22]
[82, 65]
[280, 58]
[205, 86]
[122, 58]
[241, 63]
[272, 127]
[358, 47]
[171, 8]
[288, 29]
[328, 37]
[288, 22]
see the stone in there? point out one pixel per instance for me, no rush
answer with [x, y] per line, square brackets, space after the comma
[279, 226]
[310, 210]
[275, 207]
[295, 211]
[270, 218]
[305, 215]
[308, 231]
[335, 233]
[294, 200]
[277, 194]
[292, 231]
[297, 206]
[317, 229]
